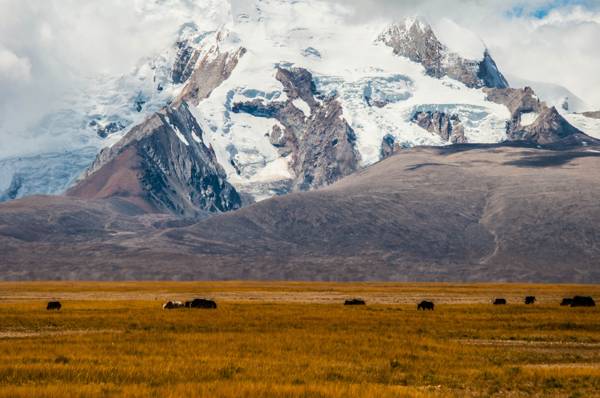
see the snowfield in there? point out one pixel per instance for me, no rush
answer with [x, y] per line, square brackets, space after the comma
[588, 125]
[352, 66]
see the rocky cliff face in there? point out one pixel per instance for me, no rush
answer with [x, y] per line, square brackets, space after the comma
[549, 128]
[593, 115]
[533, 121]
[489, 74]
[388, 146]
[416, 40]
[518, 101]
[161, 165]
[312, 132]
[212, 67]
[183, 67]
[449, 127]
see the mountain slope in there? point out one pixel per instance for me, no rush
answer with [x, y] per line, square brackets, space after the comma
[463, 213]
[487, 213]
[161, 165]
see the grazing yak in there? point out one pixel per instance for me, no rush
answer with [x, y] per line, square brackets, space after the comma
[54, 305]
[203, 303]
[169, 305]
[530, 300]
[355, 302]
[425, 305]
[583, 301]
[566, 301]
[500, 301]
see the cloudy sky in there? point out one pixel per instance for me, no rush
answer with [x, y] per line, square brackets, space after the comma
[46, 46]
[555, 41]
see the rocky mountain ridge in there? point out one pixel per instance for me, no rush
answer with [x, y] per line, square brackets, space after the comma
[416, 40]
[311, 131]
[533, 121]
[161, 165]
[593, 115]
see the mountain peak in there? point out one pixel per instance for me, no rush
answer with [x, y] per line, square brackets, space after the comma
[416, 22]
[416, 40]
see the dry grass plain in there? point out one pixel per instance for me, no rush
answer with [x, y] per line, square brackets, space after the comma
[296, 340]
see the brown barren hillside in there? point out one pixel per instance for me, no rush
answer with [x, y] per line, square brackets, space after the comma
[491, 213]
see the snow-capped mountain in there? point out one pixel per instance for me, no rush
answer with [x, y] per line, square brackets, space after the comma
[376, 95]
[90, 120]
[279, 96]
[100, 109]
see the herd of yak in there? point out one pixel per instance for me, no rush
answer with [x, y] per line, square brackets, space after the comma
[577, 301]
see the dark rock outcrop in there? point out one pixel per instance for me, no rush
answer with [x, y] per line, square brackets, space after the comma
[322, 143]
[518, 101]
[161, 165]
[104, 130]
[489, 73]
[183, 67]
[210, 71]
[388, 146]
[449, 127]
[593, 115]
[417, 41]
[549, 127]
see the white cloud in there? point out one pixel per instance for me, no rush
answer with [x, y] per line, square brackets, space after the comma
[49, 48]
[561, 48]
[13, 67]
[459, 39]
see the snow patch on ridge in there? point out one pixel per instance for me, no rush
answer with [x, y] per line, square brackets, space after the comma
[588, 125]
[527, 119]
[177, 132]
[303, 106]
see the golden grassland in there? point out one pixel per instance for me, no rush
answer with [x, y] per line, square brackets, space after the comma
[296, 340]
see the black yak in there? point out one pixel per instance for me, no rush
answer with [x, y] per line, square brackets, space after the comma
[566, 301]
[54, 305]
[530, 300]
[583, 301]
[355, 302]
[500, 301]
[425, 305]
[203, 303]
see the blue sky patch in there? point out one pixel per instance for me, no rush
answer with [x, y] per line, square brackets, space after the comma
[542, 11]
